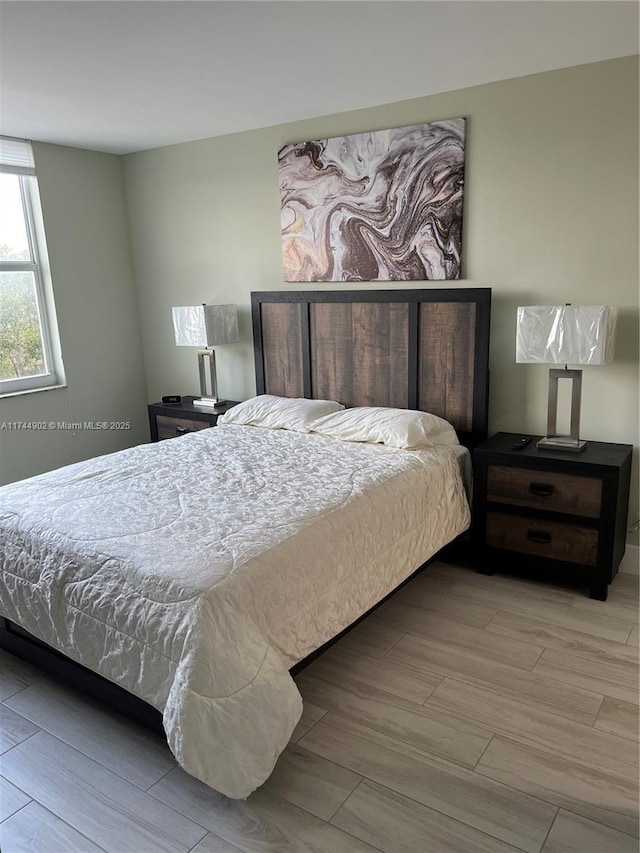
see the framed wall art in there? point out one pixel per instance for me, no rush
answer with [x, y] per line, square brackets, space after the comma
[379, 206]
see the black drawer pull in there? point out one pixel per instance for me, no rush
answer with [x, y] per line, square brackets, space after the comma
[181, 430]
[541, 490]
[539, 536]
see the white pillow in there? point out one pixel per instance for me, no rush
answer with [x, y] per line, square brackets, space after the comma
[403, 428]
[295, 413]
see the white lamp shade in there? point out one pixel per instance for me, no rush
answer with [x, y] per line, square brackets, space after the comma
[205, 325]
[565, 334]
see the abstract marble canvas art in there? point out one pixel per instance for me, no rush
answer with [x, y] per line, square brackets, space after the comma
[379, 206]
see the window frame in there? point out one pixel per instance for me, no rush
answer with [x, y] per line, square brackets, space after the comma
[38, 266]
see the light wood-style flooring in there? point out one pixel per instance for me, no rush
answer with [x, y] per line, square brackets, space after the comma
[468, 714]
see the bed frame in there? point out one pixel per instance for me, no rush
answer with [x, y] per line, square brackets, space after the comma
[413, 349]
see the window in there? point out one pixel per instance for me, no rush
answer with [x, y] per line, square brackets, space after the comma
[29, 351]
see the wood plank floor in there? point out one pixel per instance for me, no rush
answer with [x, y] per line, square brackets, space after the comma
[468, 714]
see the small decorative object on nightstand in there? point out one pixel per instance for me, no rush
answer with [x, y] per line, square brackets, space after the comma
[171, 420]
[561, 514]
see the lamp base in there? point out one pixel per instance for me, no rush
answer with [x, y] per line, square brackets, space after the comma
[555, 440]
[208, 402]
[561, 442]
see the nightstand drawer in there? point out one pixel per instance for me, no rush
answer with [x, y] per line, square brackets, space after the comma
[171, 427]
[544, 490]
[542, 538]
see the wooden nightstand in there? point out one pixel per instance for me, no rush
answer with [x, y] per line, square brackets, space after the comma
[171, 421]
[553, 513]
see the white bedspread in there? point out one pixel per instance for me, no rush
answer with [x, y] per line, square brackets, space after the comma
[195, 572]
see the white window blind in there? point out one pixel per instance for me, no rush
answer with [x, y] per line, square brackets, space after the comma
[16, 156]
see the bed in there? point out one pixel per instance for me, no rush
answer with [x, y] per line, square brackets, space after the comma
[196, 574]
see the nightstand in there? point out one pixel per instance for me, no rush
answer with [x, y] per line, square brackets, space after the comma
[552, 513]
[171, 421]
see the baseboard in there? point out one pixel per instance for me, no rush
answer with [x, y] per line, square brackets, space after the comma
[630, 563]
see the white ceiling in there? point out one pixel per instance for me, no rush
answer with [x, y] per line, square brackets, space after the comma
[127, 76]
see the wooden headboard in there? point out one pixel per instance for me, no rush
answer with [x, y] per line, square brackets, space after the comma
[411, 349]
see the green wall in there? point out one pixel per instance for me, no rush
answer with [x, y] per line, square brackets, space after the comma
[551, 216]
[83, 206]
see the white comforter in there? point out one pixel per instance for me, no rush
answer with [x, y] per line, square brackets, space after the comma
[195, 572]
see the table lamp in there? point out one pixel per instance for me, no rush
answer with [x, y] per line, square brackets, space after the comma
[206, 326]
[565, 334]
